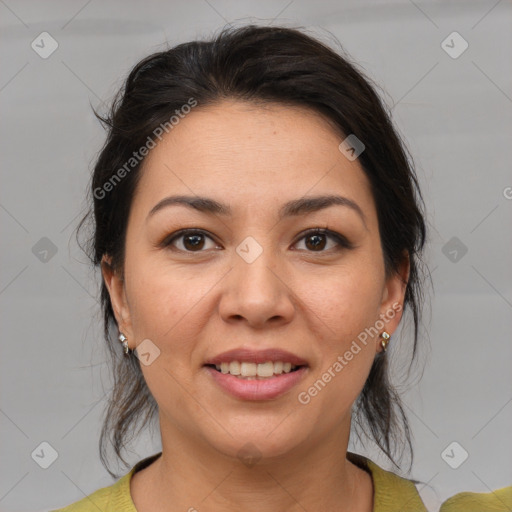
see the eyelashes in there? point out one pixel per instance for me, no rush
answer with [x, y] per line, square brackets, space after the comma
[195, 237]
[183, 233]
[340, 241]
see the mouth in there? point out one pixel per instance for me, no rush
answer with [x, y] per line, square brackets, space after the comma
[255, 371]
[256, 374]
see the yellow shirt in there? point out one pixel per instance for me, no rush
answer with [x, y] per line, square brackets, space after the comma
[391, 493]
[496, 501]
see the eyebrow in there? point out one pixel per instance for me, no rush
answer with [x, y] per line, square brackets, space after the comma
[292, 208]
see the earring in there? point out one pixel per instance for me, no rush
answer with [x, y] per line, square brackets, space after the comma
[122, 339]
[384, 341]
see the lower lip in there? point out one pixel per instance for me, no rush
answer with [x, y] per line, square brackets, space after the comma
[257, 389]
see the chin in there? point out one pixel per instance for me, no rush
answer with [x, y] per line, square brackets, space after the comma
[262, 441]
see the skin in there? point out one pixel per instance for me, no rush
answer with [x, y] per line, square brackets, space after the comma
[194, 305]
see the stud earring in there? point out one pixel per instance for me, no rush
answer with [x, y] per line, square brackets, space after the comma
[385, 340]
[123, 339]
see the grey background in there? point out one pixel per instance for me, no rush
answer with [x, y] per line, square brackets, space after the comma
[455, 114]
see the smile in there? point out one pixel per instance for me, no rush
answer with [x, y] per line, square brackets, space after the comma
[248, 370]
[256, 387]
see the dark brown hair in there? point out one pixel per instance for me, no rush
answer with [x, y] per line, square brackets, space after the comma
[263, 64]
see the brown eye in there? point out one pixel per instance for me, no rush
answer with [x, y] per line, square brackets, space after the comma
[189, 241]
[192, 242]
[316, 240]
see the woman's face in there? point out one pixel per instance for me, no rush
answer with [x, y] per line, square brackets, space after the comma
[250, 277]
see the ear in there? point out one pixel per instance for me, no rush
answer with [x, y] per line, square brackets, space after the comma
[393, 297]
[116, 290]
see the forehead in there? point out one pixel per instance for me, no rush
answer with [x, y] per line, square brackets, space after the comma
[250, 152]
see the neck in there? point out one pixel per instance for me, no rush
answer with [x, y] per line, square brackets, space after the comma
[191, 476]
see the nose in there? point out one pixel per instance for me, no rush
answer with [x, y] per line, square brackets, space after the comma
[258, 292]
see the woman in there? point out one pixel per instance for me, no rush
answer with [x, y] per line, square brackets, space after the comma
[259, 229]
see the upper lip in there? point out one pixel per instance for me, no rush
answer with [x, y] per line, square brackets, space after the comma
[257, 356]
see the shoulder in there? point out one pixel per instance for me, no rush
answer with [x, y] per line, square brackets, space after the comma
[496, 501]
[391, 492]
[114, 498]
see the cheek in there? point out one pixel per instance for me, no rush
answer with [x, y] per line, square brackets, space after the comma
[347, 303]
[346, 351]
[157, 297]
[347, 300]
[167, 306]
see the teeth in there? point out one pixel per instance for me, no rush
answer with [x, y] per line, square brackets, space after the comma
[248, 369]
[234, 368]
[254, 370]
[265, 369]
